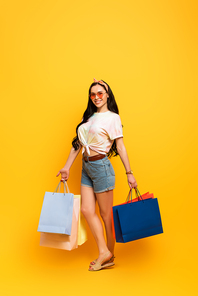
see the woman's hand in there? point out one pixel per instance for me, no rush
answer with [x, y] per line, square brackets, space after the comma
[131, 180]
[64, 174]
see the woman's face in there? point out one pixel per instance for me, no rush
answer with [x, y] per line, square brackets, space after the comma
[99, 102]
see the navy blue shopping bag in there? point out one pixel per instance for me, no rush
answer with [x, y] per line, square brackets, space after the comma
[136, 220]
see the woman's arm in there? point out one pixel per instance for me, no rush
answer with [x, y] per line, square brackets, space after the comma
[125, 160]
[72, 156]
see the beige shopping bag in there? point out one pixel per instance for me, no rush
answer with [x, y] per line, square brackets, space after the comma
[82, 230]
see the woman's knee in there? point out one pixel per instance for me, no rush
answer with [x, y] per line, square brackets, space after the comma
[87, 211]
[106, 216]
[88, 201]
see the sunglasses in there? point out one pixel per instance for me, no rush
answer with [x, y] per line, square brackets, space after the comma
[99, 95]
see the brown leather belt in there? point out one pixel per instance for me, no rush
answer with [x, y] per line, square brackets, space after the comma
[93, 158]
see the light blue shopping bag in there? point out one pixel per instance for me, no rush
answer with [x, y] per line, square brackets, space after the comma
[57, 211]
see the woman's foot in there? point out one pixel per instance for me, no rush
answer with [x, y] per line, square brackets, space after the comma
[94, 261]
[103, 261]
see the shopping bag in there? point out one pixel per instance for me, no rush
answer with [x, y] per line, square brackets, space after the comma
[57, 211]
[136, 220]
[64, 241]
[78, 232]
[129, 200]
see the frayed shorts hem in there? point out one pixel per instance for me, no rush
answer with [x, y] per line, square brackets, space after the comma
[104, 190]
[86, 185]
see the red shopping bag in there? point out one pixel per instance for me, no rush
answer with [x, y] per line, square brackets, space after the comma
[129, 199]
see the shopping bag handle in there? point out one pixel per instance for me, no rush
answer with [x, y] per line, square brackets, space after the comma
[66, 188]
[137, 193]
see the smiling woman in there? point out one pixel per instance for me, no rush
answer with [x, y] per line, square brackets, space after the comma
[100, 135]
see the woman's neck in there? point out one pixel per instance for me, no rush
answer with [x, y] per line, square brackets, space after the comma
[102, 110]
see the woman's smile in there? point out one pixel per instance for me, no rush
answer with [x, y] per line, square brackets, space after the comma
[97, 101]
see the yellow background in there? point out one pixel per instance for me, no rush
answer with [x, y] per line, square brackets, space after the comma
[147, 52]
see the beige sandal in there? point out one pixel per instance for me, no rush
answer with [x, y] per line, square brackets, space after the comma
[105, 263]
[94, 261]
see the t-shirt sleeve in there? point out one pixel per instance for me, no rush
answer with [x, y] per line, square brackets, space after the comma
[115, 128]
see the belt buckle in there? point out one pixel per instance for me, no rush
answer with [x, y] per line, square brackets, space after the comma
[86, 158]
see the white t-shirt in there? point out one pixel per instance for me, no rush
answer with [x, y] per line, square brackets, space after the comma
[99, 132]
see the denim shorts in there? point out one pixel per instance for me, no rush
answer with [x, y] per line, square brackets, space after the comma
[98, 174]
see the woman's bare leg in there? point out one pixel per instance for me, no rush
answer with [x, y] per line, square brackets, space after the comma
[105, 202]
[88, 209]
